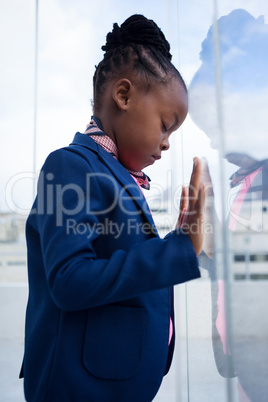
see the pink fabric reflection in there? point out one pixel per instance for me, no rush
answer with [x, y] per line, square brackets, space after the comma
[221, 319]
[235, 211]
[238, 202]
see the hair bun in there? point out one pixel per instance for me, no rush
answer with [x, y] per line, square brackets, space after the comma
[113, 39]
[138, 30]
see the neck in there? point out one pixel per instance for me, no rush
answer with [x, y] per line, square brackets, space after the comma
[105, 121]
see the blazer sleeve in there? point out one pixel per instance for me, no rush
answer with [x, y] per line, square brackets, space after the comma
[77, 279]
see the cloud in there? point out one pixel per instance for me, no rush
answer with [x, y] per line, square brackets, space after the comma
[70, 38]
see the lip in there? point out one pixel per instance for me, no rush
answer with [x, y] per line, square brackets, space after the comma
[157, 157]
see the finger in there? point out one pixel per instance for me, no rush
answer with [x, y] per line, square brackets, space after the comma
[205, 175]
[184, 196]
[194, 182]
[181, 217]
[200, 202]
[183, 206]
[202, 196]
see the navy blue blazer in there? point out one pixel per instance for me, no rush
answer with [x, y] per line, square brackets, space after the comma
[100, 281]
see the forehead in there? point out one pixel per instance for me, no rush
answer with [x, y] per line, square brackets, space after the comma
[171, 97]
[175, 90]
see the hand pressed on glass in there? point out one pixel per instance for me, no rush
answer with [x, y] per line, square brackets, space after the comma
[191, 208]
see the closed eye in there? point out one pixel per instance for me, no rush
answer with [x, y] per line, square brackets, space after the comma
[165, 128]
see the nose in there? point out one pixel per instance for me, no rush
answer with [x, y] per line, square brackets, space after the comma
[164, 146]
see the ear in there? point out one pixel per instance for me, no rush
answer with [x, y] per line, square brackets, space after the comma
[121, 93]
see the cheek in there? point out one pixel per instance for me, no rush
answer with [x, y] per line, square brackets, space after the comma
[150, 142]
[144, 140]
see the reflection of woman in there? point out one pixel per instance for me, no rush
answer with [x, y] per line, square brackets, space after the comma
[244, 64]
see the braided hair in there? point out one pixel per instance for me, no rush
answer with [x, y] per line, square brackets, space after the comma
[138, 46]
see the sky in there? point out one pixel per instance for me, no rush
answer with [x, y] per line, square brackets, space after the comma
[70, 36]
[244, 85]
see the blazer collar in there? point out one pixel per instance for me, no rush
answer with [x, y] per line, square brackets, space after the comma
[119, 172]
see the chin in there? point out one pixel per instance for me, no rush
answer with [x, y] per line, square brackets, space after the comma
[136, 167]
[133, 168]
[147, 164]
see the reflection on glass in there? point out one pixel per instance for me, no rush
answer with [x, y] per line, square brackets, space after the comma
[240, 349]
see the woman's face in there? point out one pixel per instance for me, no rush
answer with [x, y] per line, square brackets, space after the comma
[244, 120]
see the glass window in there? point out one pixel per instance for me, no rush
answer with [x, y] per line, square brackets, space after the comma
[49, 50]
[228, 99]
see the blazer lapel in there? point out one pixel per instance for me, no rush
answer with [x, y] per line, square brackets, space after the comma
[119, 172]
